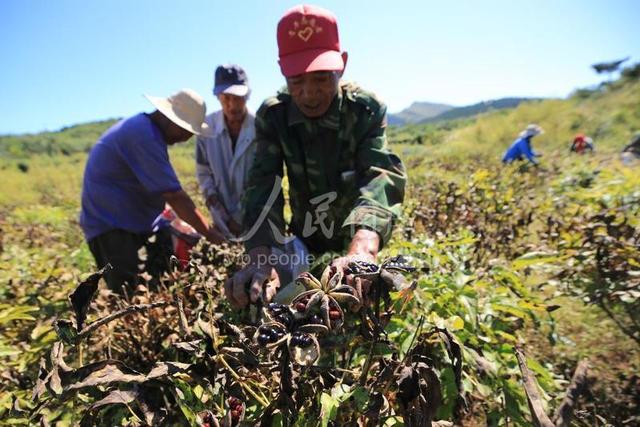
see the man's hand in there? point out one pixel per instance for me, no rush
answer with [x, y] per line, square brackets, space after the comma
[234, 227]
[214, 236]
[187, 211]
[262, 285]
[259, 278]
[342, 263]
[364, 246]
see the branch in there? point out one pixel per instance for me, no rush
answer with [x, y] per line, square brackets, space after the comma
[540, 418]
[261, 400]
[184, 324]
[578, 385]
[131, 309]
[628, 332]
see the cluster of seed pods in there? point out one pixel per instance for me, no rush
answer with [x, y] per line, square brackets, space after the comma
[320, 308]
[314, 312]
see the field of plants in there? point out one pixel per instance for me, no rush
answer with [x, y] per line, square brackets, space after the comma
[509, 296]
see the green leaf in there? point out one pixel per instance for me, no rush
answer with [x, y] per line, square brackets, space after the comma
[189, 403]
[532, 258]
[328, 409]
[516, 311]
[455, 323]
[20, 312]
[543, 376]
[361, 397]
[506, 336]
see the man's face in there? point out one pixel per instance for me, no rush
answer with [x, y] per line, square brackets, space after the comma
[234, 107]
[176, 134]
[313, 92]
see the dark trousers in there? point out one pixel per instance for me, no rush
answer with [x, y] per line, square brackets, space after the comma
[131, 254]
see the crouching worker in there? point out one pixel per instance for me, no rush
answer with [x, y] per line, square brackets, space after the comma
[127, 180]
[345, 188]
[581, 144]
[521, 147]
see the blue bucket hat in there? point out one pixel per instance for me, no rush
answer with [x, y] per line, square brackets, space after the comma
[231, 79]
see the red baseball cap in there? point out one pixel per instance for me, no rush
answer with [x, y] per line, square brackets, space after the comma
[308, 41]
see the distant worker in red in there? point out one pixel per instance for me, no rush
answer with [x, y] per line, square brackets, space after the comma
[581, 144]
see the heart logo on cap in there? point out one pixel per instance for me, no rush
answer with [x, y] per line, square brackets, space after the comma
[305, 34]
[304, 29]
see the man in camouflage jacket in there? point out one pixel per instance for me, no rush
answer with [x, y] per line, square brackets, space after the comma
[345, 186]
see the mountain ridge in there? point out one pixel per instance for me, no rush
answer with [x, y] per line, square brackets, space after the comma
[429, 112]
[417, 111]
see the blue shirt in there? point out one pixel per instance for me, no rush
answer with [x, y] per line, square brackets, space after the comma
[127, 171]
[519, 150]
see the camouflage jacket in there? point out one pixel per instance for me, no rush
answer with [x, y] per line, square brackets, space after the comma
[341, 174]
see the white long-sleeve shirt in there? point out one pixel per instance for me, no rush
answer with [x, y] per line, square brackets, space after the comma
[222, 172]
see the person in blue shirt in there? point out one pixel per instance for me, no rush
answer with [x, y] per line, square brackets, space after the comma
[521, 147]
[128, 179]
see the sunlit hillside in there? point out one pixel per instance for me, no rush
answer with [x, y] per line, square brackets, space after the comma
[515, 278]
[609, 114]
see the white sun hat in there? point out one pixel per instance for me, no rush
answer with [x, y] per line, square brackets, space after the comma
[531, 130]
[186, 108]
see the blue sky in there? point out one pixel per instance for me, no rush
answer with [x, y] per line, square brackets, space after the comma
[73, 61]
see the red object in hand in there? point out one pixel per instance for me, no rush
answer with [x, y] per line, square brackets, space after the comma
[183, 236]
[182, 251]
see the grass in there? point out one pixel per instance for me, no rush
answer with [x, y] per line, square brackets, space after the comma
[611, 117]
[69, 140]
[43, 248]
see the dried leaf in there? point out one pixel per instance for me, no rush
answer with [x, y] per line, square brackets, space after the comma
[407, 385]
[189, 346]
[579, 385]
[207, 328]
[52, 381]
[55, 383]
[83, 294]
[243, 355]
[104, 372]
[419, 394]
[540, 417]
[116, 396]
[163, 369]
[184, 325]
[41, 382]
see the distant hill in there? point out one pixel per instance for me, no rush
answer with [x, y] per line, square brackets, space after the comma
[429, 112]
[71, 139]
[417, 112]
[481, 107]
[608, 113]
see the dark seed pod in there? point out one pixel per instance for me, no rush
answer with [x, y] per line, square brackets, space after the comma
[207, 419]
[303, 348]
[362, 268]
[398, 263]
[303, 304]
[235, 412]
[279, 313]
[270, 334]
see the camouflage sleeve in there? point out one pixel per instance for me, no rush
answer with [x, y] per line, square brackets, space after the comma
[381, 180]
[263, 207]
